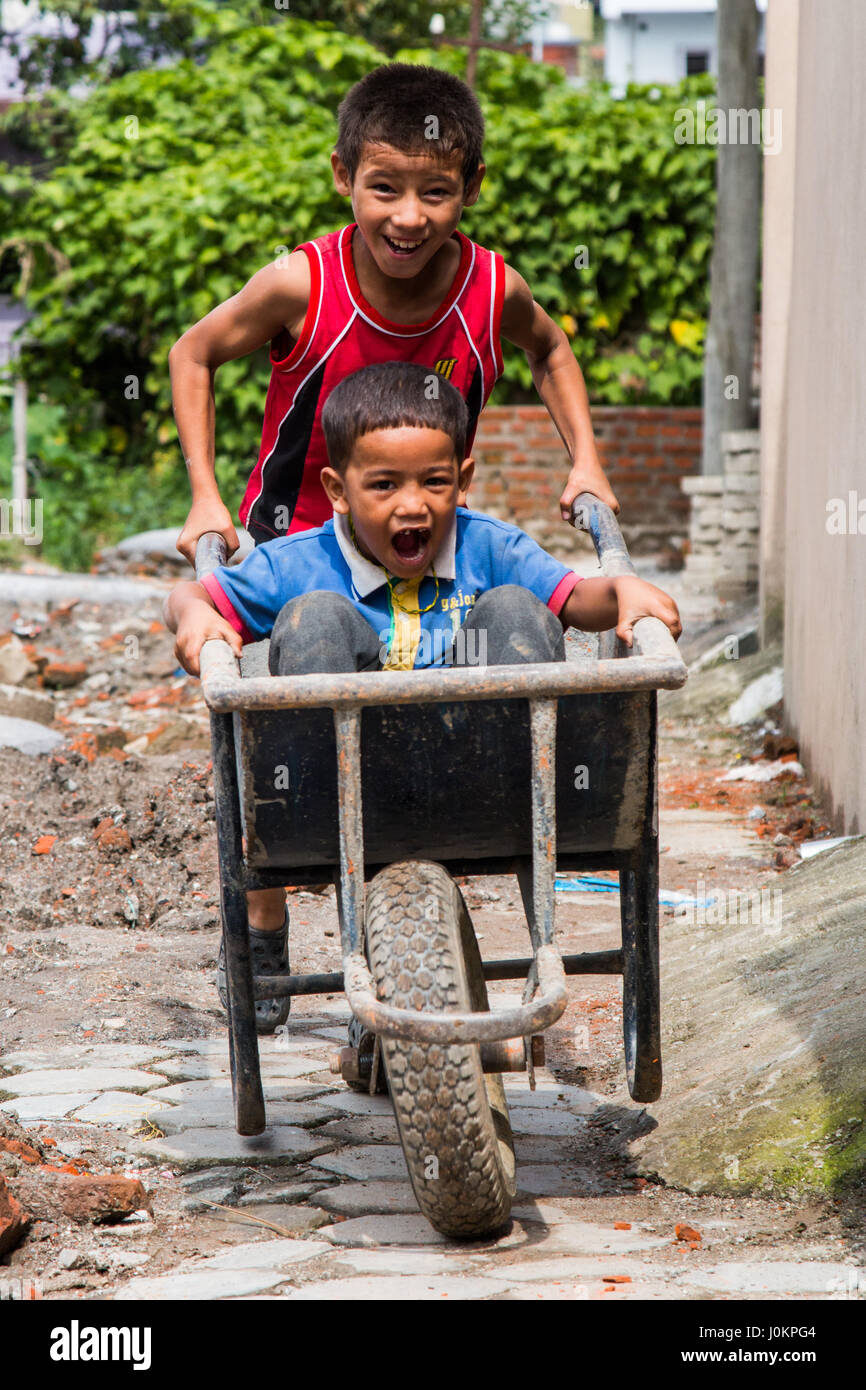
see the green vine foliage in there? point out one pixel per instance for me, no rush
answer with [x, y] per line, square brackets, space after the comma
[166, 189]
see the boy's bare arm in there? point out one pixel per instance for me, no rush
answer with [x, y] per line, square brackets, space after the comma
[275, 297]
[560, 384]
[189, 612]
[595, 605]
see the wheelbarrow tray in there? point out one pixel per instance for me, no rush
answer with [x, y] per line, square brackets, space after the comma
[448, 782]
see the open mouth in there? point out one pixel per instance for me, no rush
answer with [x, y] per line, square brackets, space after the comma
[404, 249]
[411, 543]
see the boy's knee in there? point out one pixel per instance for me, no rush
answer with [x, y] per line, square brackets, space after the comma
[320, 631]
[320, 605]
[518, 626]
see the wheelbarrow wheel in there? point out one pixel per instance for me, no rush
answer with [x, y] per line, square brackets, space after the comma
[452, 1119]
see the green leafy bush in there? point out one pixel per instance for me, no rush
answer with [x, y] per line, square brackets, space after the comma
[169, 188]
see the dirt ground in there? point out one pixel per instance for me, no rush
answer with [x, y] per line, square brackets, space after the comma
[109, 930]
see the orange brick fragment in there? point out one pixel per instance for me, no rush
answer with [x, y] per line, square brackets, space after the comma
[622, 1225]
[45, 844]
[616, 1278]
[684, 1232]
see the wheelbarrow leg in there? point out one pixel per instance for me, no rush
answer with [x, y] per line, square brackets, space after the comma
[639, 909]
[243, 1043]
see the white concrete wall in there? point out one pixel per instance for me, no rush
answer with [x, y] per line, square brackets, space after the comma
[783, 29]
[817, 413]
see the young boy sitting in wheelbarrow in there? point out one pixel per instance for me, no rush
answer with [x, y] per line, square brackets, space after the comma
[402, 576]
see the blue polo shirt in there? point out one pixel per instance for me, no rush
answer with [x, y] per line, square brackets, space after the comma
[416, 619]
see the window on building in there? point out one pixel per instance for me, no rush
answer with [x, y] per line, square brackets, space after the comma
[697, 62]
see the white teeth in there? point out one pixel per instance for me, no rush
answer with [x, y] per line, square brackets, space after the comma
[404, 245]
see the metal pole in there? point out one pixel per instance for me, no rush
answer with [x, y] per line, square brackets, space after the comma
[19, 447]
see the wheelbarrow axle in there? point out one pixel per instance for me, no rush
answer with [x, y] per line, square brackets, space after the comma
[510, 1054]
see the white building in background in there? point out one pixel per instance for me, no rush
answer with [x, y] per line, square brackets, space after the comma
[25, 20]
[661, 40]
[562, 35]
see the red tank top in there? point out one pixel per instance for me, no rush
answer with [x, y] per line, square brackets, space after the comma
[343, 332]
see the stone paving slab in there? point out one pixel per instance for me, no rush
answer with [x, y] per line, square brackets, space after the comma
[200, 1284]
[589, 1238]
[774, 1277]
[369, 1198]
[552, 1180]
[269, 1253]
[578, 1268]
[543, 1148]
[546, 1213]
[294, 1219]
[393, 1261]
[398, 1289]
[366, 1161]
[121, 1108]
[413, 1229]
[300, 1023]
[200, 1148]
[549, 1094]
[55, 1082]
[545, 1120]
[87, 1055]
[372, 1129]
[283, 1193]
[563, 1291]
[217, 1111]
[357, 1102]
[235, 1273]
[335, 1008]
[33, 1110]
[203, 1068]
[183, 1092]
[270, 1044]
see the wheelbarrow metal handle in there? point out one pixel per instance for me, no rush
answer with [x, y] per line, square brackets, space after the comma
[651, 636]
[211, 551]
[415, 1025]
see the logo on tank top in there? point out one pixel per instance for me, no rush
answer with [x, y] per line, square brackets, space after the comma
[445, 366]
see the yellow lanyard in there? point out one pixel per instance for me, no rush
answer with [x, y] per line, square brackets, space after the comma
[395, 597]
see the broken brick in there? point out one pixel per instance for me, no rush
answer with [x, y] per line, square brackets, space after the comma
[61, 674]
[44, 844]
[14, 1220]
[87, 1199]
[20, 1149]
[112, 840]
[63, 609]
[685, 1232]
[85, 744]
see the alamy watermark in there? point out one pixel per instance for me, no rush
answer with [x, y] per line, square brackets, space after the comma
[739, 126]
[846, 517]
[465, 647]
[756, 907]
[21, 518]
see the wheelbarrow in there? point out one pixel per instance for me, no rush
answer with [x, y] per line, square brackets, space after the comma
[392, 784]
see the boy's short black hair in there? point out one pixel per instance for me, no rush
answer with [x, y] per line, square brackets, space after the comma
[386, 396]
[394, 104]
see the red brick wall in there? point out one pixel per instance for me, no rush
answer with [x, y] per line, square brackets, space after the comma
[521, 467]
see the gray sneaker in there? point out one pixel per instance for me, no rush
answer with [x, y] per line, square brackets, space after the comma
[270, 956]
